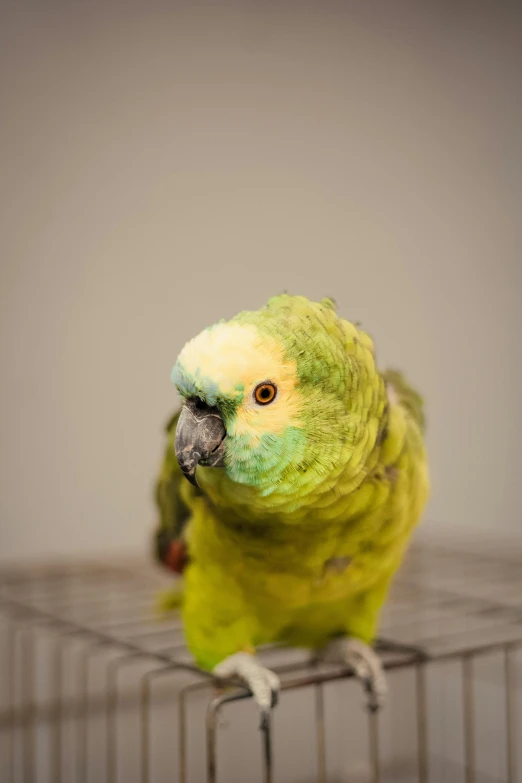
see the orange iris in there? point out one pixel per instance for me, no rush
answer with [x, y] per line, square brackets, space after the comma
[265, 393]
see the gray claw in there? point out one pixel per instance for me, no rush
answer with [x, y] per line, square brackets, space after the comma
[264, 722]
[262, 683]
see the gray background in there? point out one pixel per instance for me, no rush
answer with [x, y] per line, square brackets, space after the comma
[164, 165]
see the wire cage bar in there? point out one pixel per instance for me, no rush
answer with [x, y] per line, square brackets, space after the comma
[96, 687]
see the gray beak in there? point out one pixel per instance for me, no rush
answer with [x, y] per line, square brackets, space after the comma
[200, 436]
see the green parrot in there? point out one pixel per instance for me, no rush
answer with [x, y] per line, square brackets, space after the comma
[307, 474]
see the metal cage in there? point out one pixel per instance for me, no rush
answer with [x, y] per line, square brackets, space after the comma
[95, 687]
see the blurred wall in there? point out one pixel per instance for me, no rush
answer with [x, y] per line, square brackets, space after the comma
[167, 164]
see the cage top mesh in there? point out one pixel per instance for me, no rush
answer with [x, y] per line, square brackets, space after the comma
[97, 686]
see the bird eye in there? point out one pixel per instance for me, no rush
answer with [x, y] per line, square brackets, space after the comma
[264, 393]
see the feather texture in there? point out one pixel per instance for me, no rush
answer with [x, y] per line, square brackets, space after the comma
[297, 539]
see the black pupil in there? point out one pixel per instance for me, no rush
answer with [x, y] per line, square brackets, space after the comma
[265, 392]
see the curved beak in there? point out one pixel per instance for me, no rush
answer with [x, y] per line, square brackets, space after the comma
[200, 436]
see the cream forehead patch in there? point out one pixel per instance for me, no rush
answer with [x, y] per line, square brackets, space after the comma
[233, 355]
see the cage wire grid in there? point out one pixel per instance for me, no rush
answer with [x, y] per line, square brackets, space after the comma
[95, 686]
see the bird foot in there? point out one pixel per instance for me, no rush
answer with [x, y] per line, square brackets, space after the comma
[365, 664]
[263, 683]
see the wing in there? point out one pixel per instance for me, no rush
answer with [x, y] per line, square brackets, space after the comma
[408, 397]
[170, 547]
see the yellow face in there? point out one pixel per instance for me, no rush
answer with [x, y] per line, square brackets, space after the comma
[235, 361]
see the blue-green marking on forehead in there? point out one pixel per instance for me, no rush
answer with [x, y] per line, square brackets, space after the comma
[197, 385]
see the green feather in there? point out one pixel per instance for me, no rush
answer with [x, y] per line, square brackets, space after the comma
[344, 483]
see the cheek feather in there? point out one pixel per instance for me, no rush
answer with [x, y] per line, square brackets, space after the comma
[255, 420]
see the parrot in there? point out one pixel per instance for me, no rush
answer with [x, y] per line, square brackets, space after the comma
[293, 476]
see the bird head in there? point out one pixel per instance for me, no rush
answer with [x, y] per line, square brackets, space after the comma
[276, 398]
